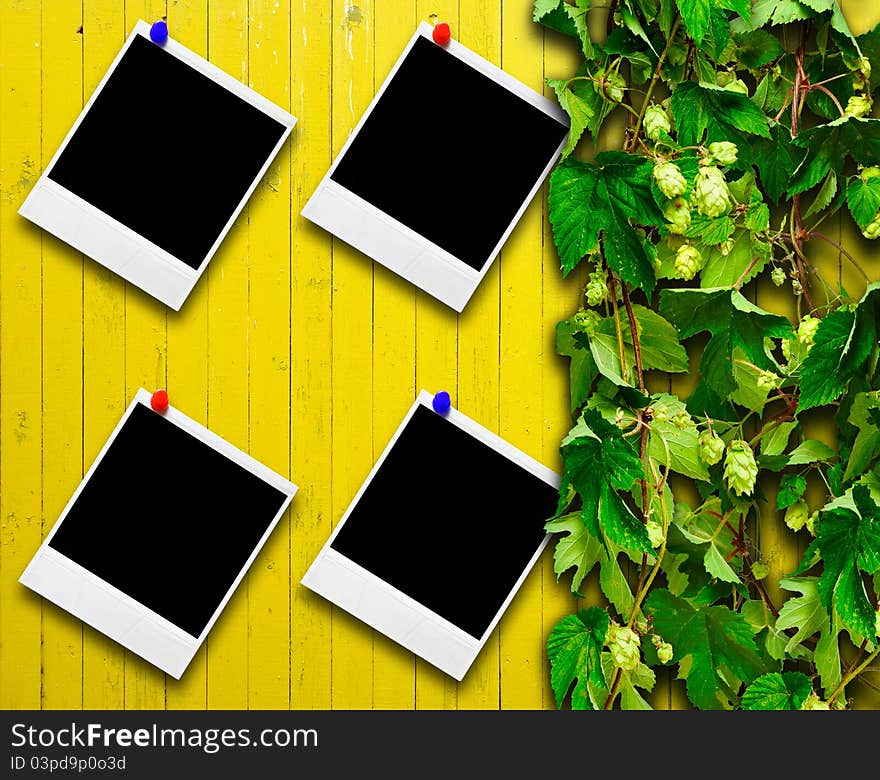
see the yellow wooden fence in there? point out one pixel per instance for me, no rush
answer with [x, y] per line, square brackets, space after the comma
[294, 347]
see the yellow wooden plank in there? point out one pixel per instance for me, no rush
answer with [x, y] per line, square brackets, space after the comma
[393, 360]
[523, 669]
[103, 387]
[61, 47]
[145, 348]
[188, 351]
[269, 358]
[311, 340]
[352, 320]
[436, 369]
[20, 365]
[479, 28]
[228, 367]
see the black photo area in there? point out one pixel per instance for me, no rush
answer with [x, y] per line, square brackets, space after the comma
[449, 521]
[168, 520]
[167, 152]
[450, 153]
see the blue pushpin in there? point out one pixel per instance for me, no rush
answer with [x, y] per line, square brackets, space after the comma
[441, 402]
[159, 32]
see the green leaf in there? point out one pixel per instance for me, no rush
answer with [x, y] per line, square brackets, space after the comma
[824, 196]
[713, 537]
[829, 145]
[582, 369]
[671, 446]
[588, 199]
[695, 14]
[803, 613]
[732, 321]
[641, 677]
[598, 464]
[757, 48]
[810, 451]
[749, 392]
[658, 339]
[791, 490]
[576, 549]
[776, 158]
[775, 442]
[863, 199]
[708, 642]
[777, 691]
[719, 115]
[865, 416]
[579, 113]
[744, 262]
[849, 543]
[841, 345]
[574, 648]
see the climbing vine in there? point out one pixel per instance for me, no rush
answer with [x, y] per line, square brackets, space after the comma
[748, 125]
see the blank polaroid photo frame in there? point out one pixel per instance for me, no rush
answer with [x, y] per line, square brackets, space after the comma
[159, 534]
[439, 538]
[436, 175]
[158, 166]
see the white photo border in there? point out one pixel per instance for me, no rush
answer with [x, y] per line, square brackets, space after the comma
[113, 244]
[110, 610]
[401, 618]
[387, 240]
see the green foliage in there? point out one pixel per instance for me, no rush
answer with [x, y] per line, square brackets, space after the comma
[718, 186]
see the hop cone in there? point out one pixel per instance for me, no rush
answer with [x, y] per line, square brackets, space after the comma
[678, 213]
[688, 261]
[777, 276]
[711, 448]
[670, 180]
[740, 469]
[664, 649]
[656, 122]
[597, 288]
[796, 515]
[806, 331]
[723, 152]
[858, 105]
[624, 645]
[712, 195]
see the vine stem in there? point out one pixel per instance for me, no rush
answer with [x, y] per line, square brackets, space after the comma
[654, 79]
[853, 673]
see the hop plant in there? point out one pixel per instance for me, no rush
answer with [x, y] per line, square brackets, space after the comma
[723, 152]
[778, 277]
[737, 85]
[613, 86]
[806, 331]
[767, 380]
[587, 320]
[711, 192]
[688, 261]
[678, 212]
[725, 247]
[858, 105]
[796, 515]
[597, 288]
[711, 447]
[872, 229]
[681, 420]
[740, 469]
[664, 649]
[660, 413]
[760, 570]
[624, 645]
[813, 702]
[669, 178]
[655, 532]
[656, 122]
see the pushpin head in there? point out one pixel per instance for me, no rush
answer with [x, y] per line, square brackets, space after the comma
[159, 32]
[441, 33]
[159, 401]
[441, 402]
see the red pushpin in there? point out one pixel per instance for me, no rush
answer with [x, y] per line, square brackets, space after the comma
[159, 401]
[441, 33]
